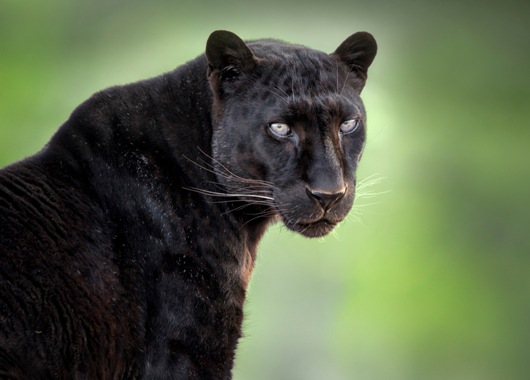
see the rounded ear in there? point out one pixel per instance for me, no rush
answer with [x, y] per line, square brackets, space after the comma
[357, 52]
[226, 51]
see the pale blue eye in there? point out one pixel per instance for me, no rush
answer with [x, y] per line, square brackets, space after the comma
[349, 126]
[280, 129]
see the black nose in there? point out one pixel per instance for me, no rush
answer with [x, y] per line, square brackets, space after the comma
[325, 199]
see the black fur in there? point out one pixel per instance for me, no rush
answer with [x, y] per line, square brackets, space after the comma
[128, 242]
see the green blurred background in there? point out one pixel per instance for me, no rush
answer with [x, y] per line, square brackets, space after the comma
[430, 276]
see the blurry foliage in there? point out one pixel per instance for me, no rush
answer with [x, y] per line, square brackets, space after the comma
[430, 276]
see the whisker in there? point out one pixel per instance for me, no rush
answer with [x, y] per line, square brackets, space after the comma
[368, 195]
[356, 217]
[233, 175]
[357, 205]
[230, 195]
[235, 188]
[199, 165]
[245, 202]
[292, 88]
[279, 96]
[259, 193]
[245, 205]
[370, 180]
[337, 77]
[362, 186]
[335, 234]
[345, 81]
[277, 87]
[210, 169]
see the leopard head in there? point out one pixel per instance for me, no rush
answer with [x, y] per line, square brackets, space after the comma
[289, 126]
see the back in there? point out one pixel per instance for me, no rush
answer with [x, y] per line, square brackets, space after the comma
[55, 269]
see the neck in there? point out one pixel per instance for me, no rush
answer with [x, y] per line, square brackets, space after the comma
[147, 166]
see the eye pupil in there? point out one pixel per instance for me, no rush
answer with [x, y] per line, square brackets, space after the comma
[349, 126]
[280, 129]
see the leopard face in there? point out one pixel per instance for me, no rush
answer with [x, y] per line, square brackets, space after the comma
[290, 126]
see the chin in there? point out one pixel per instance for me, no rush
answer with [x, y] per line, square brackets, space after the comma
[316, 229]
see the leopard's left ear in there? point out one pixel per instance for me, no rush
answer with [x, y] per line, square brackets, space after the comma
[357, 52]
[228, 54]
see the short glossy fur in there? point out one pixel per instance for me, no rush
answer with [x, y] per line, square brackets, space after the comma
[128, 242]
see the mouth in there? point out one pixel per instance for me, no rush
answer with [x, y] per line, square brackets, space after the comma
[316, 229]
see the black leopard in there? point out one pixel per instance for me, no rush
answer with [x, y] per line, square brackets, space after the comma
[127, 243]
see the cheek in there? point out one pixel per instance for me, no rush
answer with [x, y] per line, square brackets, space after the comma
[352, 156]
[246, 156]
[282, 167]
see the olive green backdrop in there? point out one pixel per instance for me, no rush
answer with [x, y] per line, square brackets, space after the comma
[429, 278]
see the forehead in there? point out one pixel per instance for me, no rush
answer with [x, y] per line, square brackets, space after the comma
[298, 70]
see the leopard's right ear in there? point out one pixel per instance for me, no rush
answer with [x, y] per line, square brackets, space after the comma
[227, 54]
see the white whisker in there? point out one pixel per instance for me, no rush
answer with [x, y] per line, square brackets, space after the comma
[230, 195]
[345, 81]
[279, 96]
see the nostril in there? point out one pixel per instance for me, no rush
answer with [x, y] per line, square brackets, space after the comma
[326, 199]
